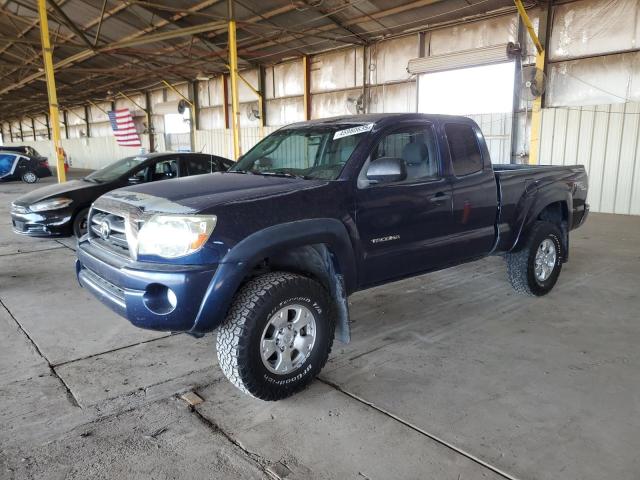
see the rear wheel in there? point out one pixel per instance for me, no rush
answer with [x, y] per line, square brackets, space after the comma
[29, 177]
[277, 336]
[80, 222]
[534, 269]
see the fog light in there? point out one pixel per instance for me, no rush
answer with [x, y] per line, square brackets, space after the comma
[160, 299]
[171, 297]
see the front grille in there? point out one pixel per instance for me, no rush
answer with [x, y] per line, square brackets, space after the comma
[108, 230]
[113, 290]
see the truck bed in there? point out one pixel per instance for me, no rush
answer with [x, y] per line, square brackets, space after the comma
[520, 185]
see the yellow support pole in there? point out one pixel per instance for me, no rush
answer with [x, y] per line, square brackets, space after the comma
[233, 63]
[536, 110]
[51, 90]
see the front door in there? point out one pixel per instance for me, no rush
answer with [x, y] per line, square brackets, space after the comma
[403, 225]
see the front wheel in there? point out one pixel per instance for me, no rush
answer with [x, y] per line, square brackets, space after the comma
[277, 335]
[80, 223]
[534, 269]
[29, 177]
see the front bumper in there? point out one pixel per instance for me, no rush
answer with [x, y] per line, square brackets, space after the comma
[140, 291]
[54, 223]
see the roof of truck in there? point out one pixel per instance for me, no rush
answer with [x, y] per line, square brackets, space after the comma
[379, 119]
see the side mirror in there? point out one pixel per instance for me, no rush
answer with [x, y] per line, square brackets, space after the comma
[134, 180]
[387, 169]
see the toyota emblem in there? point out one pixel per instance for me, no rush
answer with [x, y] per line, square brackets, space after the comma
[105, 230]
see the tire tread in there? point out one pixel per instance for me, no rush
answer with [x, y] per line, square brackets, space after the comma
[232, 339]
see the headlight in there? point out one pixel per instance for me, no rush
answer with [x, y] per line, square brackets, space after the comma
[172, 236]
[51, 204]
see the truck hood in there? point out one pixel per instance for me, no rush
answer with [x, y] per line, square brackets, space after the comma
[71, 189]
[199, 193]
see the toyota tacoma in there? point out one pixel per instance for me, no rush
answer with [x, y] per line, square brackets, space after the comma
[268, 252]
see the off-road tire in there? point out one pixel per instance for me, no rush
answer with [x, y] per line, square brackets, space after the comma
[30, 177]
[521, 264]
[81, 216]
[238, 341]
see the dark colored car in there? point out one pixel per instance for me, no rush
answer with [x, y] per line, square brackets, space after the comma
[268, 252]
[61, 209]
[21, 166]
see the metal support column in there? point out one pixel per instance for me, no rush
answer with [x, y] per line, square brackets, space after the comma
[306, 69]
[149, 113]
[48, 125]
[196, 104]
[262, 80]
[516, 110]
[536, 110]
[33, 128]
[21, 132]
[225, 101]
[65, 123]
[233, 63]
[87, 124]
[51, 89]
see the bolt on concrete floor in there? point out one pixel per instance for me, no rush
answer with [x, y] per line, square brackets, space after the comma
[450, 376]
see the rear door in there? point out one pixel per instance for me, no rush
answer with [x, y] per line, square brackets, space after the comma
[7, 164]
[475, 196]
[403, 225]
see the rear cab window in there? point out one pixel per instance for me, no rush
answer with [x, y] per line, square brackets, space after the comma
[466, 157]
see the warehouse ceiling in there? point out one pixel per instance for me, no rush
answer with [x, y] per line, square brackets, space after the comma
[104, 46]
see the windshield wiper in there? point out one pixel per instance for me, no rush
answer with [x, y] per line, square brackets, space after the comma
[283, 174]
[245, 172]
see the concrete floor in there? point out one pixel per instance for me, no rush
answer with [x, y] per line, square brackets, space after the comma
[449, 376]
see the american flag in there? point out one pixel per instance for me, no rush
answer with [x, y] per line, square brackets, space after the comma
[123, 128]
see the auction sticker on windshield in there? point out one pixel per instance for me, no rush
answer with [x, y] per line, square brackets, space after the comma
[353, 131]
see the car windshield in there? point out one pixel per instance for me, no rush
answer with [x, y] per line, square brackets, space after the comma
[317, 152]
[115, 170]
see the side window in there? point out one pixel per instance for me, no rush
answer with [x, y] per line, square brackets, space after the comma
[415, 146]
[465, 151]
[164, 169]
[199, 165]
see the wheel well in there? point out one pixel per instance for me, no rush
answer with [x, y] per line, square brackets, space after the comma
[556, 212]
[316, 261]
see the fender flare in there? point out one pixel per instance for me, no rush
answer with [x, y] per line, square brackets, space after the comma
[534, 202]
[238, 263]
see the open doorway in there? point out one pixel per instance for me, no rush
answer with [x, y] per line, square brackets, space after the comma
[177, 128]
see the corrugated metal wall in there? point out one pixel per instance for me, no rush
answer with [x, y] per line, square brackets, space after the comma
[604, 139]
[496, 128]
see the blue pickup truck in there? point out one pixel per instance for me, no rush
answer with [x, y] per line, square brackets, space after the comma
[268, 252]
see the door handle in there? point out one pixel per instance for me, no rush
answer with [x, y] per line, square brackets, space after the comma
[439, 197]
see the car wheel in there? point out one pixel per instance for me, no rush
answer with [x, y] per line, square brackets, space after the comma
[534, 269]
[277, 335]
[80, 222]
[29, 177]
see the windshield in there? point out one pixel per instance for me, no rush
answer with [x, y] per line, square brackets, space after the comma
[115, 170]
[313, 153]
